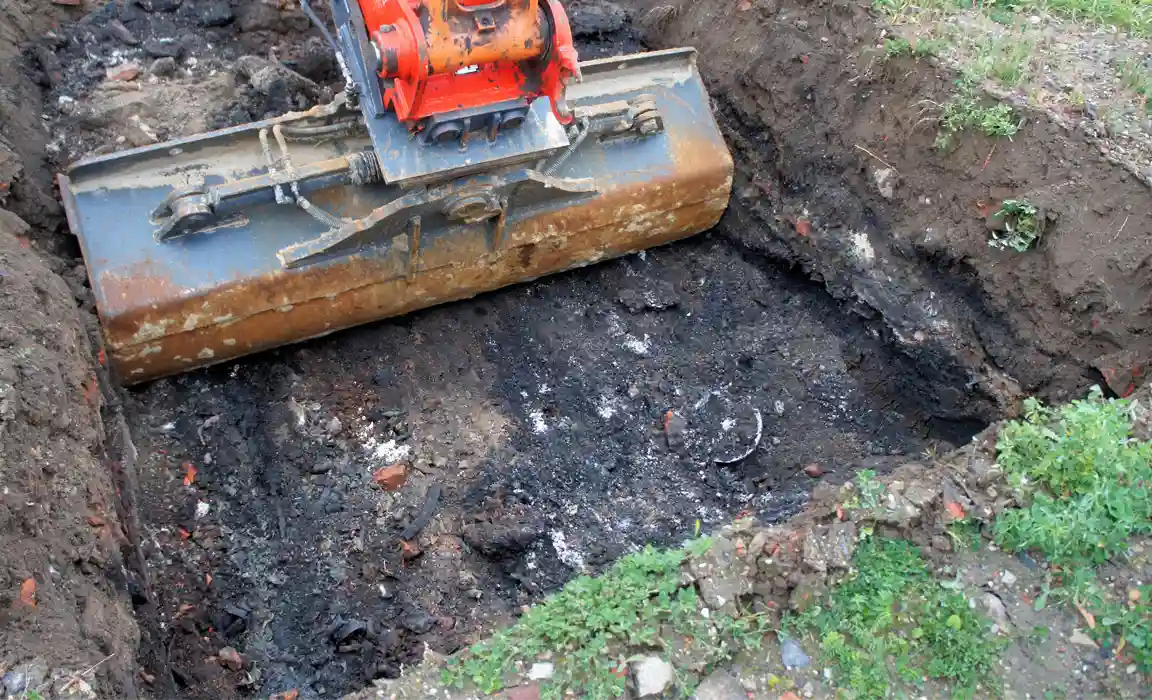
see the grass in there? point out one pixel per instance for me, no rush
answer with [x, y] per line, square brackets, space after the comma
[1022, 226]
[588, 628]
[892, 623]
[1138, 79]
[1007, 60]
[1085, 486]
[1131, 16]
[967, 112]
[921, 48]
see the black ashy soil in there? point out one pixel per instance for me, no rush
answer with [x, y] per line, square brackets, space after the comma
[550, 428]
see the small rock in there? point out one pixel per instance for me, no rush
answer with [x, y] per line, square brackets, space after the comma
[53, 69]
[334, 426]
[215, 13]
[230, 658]
[652, 675]
[831, 546]
[885, 179]
[159, 5]
[119, 32]
[25, 677]
[814, 470]
[530, 691]
[721, 685]
[163, 67]
[417, 621]
[139, 133]
[1034, 20]
[792, 655]
[125, 72]
[722, 576]
[996, 611]
[270, 78]
[391, 478]
[159, 48]
[498, 540]
[656, 296]
[541, 671]
[1026, 560]
[1080, 638]
[1008, 578]
[802, 25]
[674, 427]
[941, 543]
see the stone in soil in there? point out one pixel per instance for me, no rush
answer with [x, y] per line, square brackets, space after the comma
[721, 685]
[792, 655]
[215, 13]
[722, 576]
[159, 5]
[652, 675]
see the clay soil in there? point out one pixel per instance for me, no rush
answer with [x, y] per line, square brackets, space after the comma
[233, 510]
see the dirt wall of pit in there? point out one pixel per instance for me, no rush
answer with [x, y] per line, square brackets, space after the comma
[838, 173]
[64, 590]
[65, 603]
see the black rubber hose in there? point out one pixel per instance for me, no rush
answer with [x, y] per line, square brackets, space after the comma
[307, 7]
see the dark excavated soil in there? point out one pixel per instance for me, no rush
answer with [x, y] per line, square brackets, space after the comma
[551, 427]
[537, 416]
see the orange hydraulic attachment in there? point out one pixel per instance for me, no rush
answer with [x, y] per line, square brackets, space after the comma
[447, 55]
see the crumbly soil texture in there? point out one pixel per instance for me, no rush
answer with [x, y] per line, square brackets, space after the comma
[846, 313]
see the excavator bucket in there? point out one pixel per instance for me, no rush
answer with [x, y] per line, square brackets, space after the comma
[205, 249]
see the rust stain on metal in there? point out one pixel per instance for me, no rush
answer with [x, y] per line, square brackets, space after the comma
[293, 305]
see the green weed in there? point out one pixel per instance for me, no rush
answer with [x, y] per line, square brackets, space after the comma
[921, 48]
[1022, 226]
[1138, 79]
[965, 534]
[1086, 487]
[897, 48]
[587, 627]
[1083, 479]
[965, 112]
[1132, 16]
[868, 489]
[892, 623]
[1007, 60]
[1130, 622]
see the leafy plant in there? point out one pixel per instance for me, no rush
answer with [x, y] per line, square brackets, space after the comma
[1084, 483]
[1022, 225]
[895, 48]
[1082, 478]
[868, 489]
[588, 627]
[1138, 79]
[966, 112]
[1130, 622]
[891, 622]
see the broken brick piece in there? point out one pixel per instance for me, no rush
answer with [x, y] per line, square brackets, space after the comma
[125, 72]
[393, 477]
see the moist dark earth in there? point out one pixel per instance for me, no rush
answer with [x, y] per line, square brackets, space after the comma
[546, 429]
[534, 420]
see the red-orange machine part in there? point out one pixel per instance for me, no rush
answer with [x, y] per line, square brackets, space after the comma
[442, 56]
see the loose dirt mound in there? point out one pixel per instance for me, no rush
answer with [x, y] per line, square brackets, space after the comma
[61, 572]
